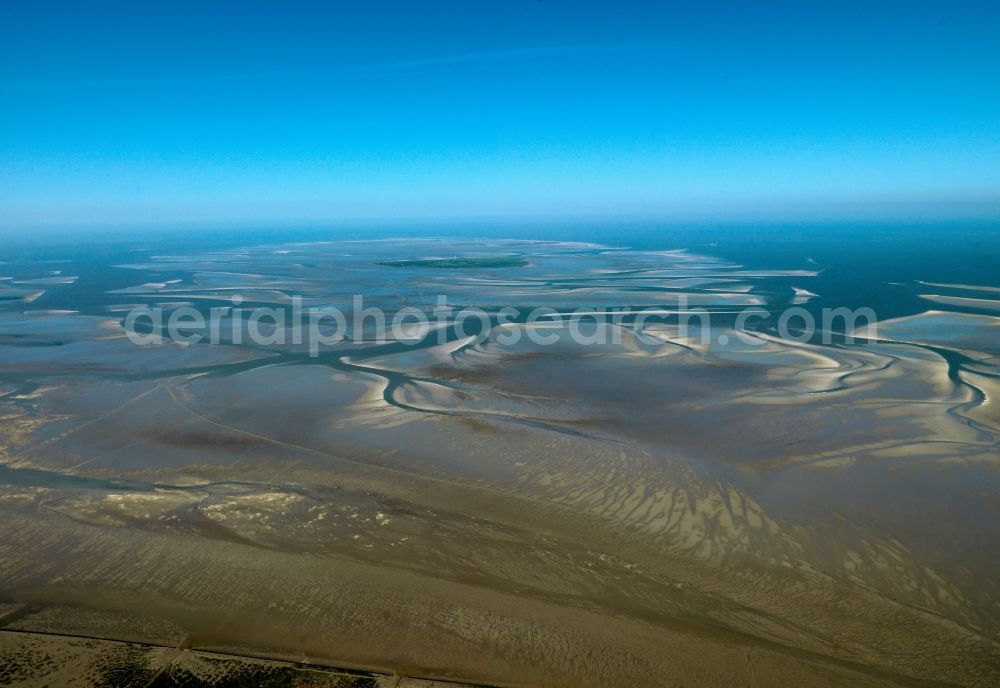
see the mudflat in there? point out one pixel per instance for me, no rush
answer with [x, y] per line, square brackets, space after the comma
[617, 502]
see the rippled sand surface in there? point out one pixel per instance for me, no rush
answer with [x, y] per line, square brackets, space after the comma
[710, 506]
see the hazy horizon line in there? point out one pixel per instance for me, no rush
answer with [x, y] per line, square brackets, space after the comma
[983, 207]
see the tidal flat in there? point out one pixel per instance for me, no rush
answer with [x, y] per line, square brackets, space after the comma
[628, 503]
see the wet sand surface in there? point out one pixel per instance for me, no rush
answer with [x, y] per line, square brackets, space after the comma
[715, 506]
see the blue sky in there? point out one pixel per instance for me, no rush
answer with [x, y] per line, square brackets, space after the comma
[290, 111]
